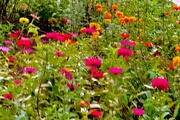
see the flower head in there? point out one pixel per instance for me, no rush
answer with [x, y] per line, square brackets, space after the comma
[8, 96]
[30, 70]
[125, 52]
[24, 20]
[23, 43]
[8, 42]
[119, 14]
[138, 111]
[107, 15]
[4, 49]
[124, 35]
[17, 82]
[83, 103]
[11, 59]
[93, 62]
[58, 53]
[64, 20]
[35, 16]
[96, 113]
[127, 42]
[176, 60]
[54, 36]
[177, 2]
[114, 7]
[160, 83]
[70, 86]
[115, 70]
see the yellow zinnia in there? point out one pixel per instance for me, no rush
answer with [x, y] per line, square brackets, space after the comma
[176, 60]
[24, 20]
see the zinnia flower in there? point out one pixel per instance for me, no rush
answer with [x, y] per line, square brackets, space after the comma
[24, 20]
[160, 83]
[83, 103]
[177, 48]
[35, 16]
[11, 59]
[8, 96]
[119, 14]
[93, 62]
[115, 70]
[54, 36]
[97, 74]
[30, 70]
[177, 2]
[124, 35]
[114, 7]
[70, 86]
[127, 42]
[96, 113]
[66, 72]
[4, 49]
[107, 15]
[8, 42]
[125, 52]
[23, 43]
[176, 60]
[58, 53]
[138, 111]
[17, 82]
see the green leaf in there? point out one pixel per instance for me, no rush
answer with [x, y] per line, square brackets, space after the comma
[176, 110]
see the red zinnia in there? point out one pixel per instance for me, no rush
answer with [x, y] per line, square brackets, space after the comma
[160, 83]
[125, 35]
[8, 96]
[96, 113]
[23, 43]
[11, 59]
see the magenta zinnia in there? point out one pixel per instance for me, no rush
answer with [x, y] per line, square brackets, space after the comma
[30, 70]
[115, 70]
[93, 62]
[125, 52]
[138, 111]
[160, 83]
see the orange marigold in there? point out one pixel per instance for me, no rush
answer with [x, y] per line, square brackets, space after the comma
[114, 7]
[119, 14]
[176, 60]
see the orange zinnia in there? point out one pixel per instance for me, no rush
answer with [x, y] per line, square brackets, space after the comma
[176, 60]
[132, 19]
[147, 44]
[119, 14]
[107, 15]
[99, 9]
[114, 7]
[98, 5]
[177, 48]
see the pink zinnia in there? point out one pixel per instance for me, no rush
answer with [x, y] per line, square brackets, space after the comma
[8, 42]
[138, 111]
[58, 53]
[17, 82]
[115, 70]
[160, 83]
[8, 96]
[54, 36]
[89, 31]
[125, 52]
[30, 70]
[4, 49]
[93, 62]
[96, 113]
[35, 16]
[127, 42]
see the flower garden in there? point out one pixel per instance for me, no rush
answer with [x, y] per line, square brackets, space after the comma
[90, 60]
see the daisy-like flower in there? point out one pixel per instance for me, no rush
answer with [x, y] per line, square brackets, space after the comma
[96, 113]
[138, 111]
[17, 82]
[11, 59]
[30, 70]
[35, 16]
[4, 49]
[8, 42]
[93, 62]
[160, 83]
[177, 2]
[125, 52]
[8, 96]
[58, 53]
[70, 86]
[24, 20]
[115, 70]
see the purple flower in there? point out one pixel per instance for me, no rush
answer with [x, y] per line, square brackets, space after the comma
[4, 49]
